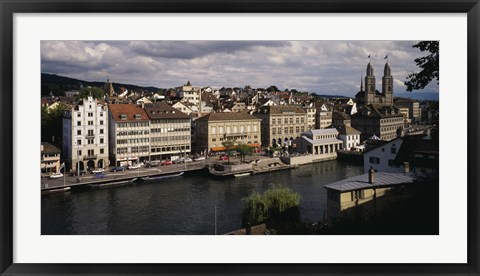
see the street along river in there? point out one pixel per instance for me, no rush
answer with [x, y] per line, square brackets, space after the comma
[183, 205]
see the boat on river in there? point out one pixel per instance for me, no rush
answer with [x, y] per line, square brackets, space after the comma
[242, 174]
[158, 177]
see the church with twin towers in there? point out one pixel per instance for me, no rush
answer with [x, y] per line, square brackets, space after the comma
[369, 94]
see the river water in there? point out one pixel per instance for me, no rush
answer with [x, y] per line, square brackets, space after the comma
[184, 205]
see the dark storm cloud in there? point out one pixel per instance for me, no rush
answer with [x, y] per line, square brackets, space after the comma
[193, 49]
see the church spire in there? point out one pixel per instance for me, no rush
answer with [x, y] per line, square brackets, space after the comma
[361, 82]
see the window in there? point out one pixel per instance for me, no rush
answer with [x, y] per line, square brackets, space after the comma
[79, 132]
[274, 121]
[79, 142]
[101, 122]
[101, 114]
[90, 141]
[79, 123]
[357, 195]
[79, 152]
[78, 114]
[101, 140]
[90, 132]
[393, 150]
[214, 139]
[101, 131]
[374, 160]
[101, 151]
[90, 123]
[90, 114]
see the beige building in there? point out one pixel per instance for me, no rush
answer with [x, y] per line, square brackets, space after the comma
[323, 116]
[384, 121]
[414, 111]
[129, 128]
[213, 129]
[322, 142]
[311, 112]
[50, 158]
[170, 136]
[365, 195]
[281, 124]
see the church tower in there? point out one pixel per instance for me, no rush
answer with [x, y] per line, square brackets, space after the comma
[369, 85]
[108, 89]
[387, 84]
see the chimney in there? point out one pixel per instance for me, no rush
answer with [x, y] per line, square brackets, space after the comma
[371, 175]
[406, 167]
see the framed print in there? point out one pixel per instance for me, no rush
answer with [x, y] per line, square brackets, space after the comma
[239, 137]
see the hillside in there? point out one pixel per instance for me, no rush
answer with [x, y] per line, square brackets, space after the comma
[59, 84]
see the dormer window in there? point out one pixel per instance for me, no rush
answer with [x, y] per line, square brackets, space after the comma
[123, 116]
[138, 116]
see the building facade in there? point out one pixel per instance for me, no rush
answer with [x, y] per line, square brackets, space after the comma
[321, 142]
[213, 129]
[370, 95]
[85, 135]
[50, 158]
[129, 128]
[170, 132]
[281, 124]
[384, 121]
[414, 111]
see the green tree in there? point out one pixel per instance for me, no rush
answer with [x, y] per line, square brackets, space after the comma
[229, 147]
[51, 123]
[273, 204]
[244, 150]
[428, 64]
[95, 92]
[272, 88]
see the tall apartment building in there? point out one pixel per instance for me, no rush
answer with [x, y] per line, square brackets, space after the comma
[170, 136]
[85, 135]
[213, 129]
[323, 116]
[281, 124]
[129, 128]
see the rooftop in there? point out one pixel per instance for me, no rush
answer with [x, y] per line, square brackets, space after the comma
[228, 116]
[163, 110]
[129, 110]
[382, 179]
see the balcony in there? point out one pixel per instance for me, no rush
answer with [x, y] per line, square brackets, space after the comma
[90, 136]
[90, 157]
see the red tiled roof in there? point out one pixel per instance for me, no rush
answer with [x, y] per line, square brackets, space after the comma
[128, 109]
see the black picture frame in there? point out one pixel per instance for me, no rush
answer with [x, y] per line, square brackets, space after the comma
[10, 7]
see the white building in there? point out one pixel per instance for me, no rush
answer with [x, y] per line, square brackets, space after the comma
[189, 94]
[323, 142]
[349, 136]
[85, 135]
[382, 158]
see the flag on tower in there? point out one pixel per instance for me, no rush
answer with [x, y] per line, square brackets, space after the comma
[368, 56]
[386, 57]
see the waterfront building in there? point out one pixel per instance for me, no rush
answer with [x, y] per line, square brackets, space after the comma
[281, 123]
[414, 111]
[366, 194]
[321, 142]
[129, 128]
[213, 129]
[323, 116]
[50, 158]
[170, 132]
[85, 135]
[349, 135]
[382, 158]
[311, 112]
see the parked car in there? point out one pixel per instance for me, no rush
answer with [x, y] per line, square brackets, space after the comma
[152, 164]
[199, 158]
[99, 170]
[166, 163]
[134, 167]
[178, 161]
[119, 169]
[188, 159]
[223, 157]
[56, 175]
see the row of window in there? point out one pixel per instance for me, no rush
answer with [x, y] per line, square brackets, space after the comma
[236, 129]
[223, 139]
[170, 121]
[171, 138]
[326, 136]
[133, 132]
[90, 141]
[90, 152]
[170, 129]
[133, 141]
[90, 132]
[287, 130]
[89, 114]
[90, 123]
[173, 148]
[298, 120]
[132, 124]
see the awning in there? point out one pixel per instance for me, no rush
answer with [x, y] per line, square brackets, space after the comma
[218, 148]
[254, 145]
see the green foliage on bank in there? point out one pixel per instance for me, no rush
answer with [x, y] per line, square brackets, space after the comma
[274, 204]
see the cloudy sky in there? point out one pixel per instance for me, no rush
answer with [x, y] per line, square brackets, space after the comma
[323, 67]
